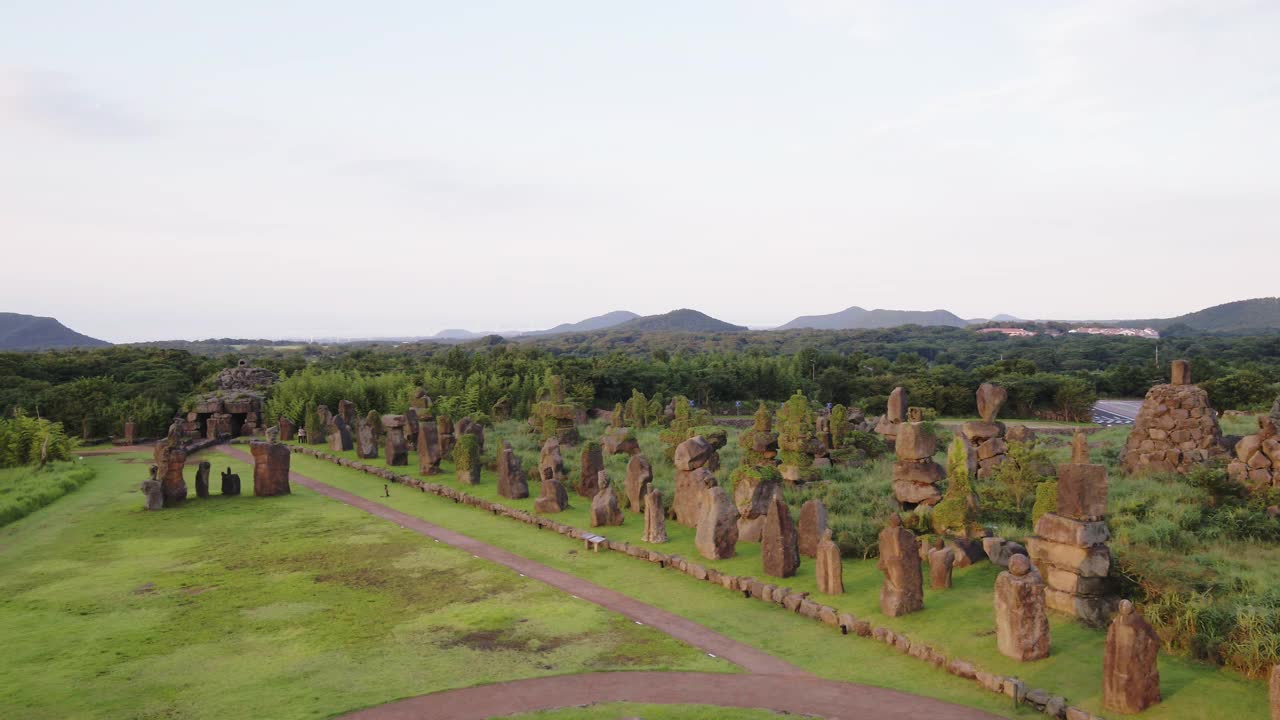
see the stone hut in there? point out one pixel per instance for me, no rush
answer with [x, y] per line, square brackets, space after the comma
[234, 409]
[1175, 429]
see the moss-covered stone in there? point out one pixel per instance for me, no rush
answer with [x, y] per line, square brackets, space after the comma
[466, 458]
[797, 441]
[1046, 500]
[957, 512]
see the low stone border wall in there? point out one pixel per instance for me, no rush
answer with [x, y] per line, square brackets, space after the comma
[797, 602]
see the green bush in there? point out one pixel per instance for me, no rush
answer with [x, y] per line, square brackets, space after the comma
[1046, 500]
[957, 513]
[31, 441]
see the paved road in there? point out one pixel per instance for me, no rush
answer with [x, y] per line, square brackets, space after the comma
[1116, 412]
[769, 682]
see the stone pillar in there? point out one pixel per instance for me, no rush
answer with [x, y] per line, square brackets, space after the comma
[829, 570]
[692, 477]
[550, 458]
[1180, 373]
[1079, 449]
[428, 447]
[639, 479]
[511, 479]
[466, 460]
[202, 479]
[171, 459]
[366, 441]
[340, 434]
[779, 544]
[270, 468]
[941, 561]
[753, 489]
[717, 535]
[903, 588]
[915, 474]
[396, 447]
[129, 430]
[604, 506]
[655, 518]
[590, 467]
[1130, 677]
[287, 429]
[1070, 546]
[1022, 625]
[813, 524]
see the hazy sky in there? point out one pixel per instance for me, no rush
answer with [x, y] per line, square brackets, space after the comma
[178, 169]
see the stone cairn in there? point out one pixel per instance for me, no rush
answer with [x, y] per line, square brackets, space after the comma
[591, 464]
[270, 468]
[153, 495]
[429, 456]
[828, 568]
[552, 498]
[987, 435]
[604, 506]
[694, 460]
[397, 448]
[779, 544]
[1130, 677]
[798, 442]
[552, 416]
[915, 473]
[511, 477]
[894, 415]
[202, 479]
[1022, 625]
[639, 479]
[1257, 460]
[1175, 429]
[903, 588]
[941, 562]
[760, 443]
[1070, 544]
[655, 519]
[230, 483]
[717, 526]
[466, 459]
[813, 525]
[753, 489]
[367, 436]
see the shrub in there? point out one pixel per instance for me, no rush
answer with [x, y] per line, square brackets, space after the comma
[32, 441]
[1046, 500]
[957, 513]
[24, 491]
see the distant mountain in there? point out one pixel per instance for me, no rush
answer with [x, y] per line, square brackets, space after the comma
[28, 332]
[1007, 318]
[599, 322]
[1232, 317]
[682, 320]
[856, 318]
[456, 334]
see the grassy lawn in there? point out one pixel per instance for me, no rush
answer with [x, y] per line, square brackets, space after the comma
[632, 711]
[958, 621]
[24, 490]
[289, 607]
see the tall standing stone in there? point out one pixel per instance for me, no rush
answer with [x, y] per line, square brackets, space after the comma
[511, 478]
[717, 534]
[591, 465]
[288, 430]
[1130, 677]
[903, 588]
[552, 498]
[604, 506]
[202, 479]
[655, 518]
[779, 548]
[915, 473]
[639, 478]
[366, 441]
[397, 449]
[828, 568]
[550, 458]
[753, 489]
[1180, 373]
[444, 429]
[991, 398]
[428, 448]
[347, 411]
[171, 460]
[692, 478]
[1022, 625]
[466, 459]
[941, 562]
[129, 431]
[1079, 448]
[340, 434]
[412, 423]
[270, 468]
[813, 524]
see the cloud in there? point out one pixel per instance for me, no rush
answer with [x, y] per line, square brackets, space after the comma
[56, 102]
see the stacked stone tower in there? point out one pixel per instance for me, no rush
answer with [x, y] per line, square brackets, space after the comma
[1176, 428]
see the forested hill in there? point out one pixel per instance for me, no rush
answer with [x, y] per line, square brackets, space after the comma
[1240, 317]
[29, 332]
[856, 318]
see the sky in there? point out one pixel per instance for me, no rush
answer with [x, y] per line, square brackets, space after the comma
[317, 169]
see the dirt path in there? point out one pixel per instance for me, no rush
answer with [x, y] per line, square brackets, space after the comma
[770, 683]
[781, 693]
